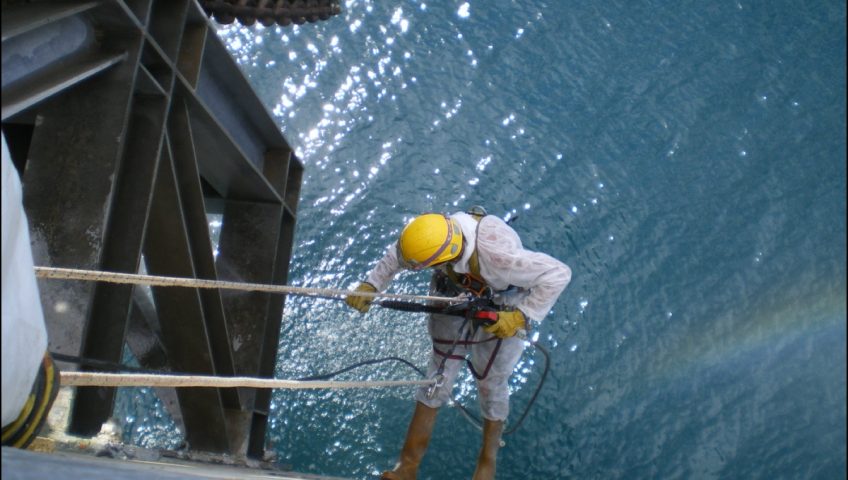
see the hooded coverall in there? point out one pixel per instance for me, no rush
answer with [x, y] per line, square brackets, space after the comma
[520, 278]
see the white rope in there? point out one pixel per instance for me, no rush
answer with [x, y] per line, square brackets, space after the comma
[155, 280]
[99, 379]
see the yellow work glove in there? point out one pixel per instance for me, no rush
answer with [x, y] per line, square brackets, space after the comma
[508, 323]
[361, 302]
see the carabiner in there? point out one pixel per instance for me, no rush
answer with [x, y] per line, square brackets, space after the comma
[439, 383]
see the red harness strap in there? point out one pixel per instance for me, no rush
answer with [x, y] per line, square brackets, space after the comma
[489, 364]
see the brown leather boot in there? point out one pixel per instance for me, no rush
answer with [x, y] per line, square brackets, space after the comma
[417, 438]
[487, 461]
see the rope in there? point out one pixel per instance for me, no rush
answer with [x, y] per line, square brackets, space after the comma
[99, 379]
[156, 280]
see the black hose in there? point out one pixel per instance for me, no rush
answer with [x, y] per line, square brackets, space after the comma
[330, 375]
[538, 388]
[409, 306]
[102, 364]
[479, 423]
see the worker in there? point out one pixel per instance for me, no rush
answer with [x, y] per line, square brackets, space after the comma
[30, 379]
[478, 254]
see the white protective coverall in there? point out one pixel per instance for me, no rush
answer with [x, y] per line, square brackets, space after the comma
[528, 280]
[24, 334]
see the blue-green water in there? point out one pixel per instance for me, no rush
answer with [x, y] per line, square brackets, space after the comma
[686, 159]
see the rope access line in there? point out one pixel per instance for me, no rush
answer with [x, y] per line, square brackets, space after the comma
[162, 281]
[455, 306]
[127, 376]
[106, 379]
[101, 379]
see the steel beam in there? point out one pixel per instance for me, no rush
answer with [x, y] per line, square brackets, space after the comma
[293, 182]
[121, 252]
[123, 134]
[181, 315]
[30, 16]
[69, 181]
[227, 93]
[220, 160]
[181, 139]
[268, 350]
[166, 25]
[191, 52]
[255, 225]
[28, 92]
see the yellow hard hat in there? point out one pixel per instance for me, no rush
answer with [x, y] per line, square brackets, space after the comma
[428, 240]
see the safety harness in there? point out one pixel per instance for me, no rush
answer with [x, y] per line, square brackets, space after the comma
[483, 311]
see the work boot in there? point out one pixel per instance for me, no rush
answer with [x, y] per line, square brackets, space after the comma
[417, 438]
[487, 461]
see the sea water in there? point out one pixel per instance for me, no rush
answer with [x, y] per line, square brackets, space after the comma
[685, 159]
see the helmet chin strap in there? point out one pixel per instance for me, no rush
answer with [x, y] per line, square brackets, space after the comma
[461, 251]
